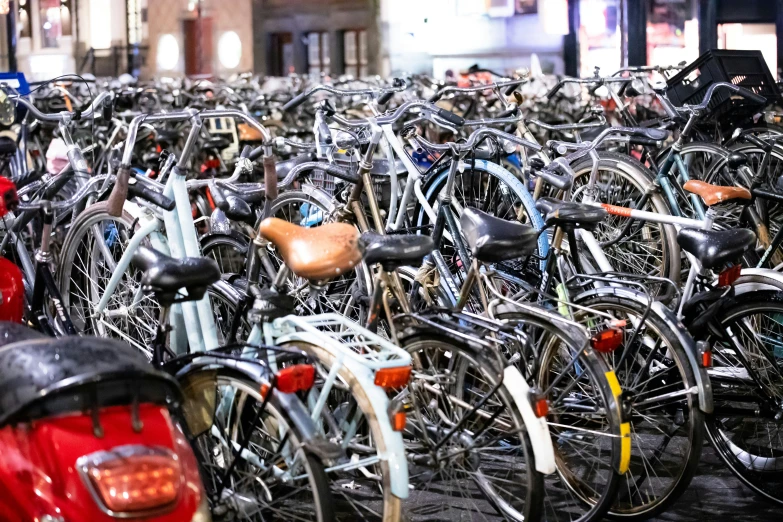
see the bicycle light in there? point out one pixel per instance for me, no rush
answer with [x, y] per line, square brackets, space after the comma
[298, 377]
[608, 340]
[729, 275]
[539, 403]
[390, 378]
[705, 351]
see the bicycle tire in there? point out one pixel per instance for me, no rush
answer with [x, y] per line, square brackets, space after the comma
[722, 424]
[471, 358]
[196, 387]
[643, 180]
[673, 373]
[570, 496]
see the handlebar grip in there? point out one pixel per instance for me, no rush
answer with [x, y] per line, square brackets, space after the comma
[752, 96]
[150, 195]
[256, 153]
[508, 113]
[510, 89]
[218, 197]
[246, 150]
[107, 109]
[270, 177]
[452, 118]
[435, 97]
[119, 193]
[296, 102]
[648, 142]
[550, 174]
[384, 98]
[554, 89]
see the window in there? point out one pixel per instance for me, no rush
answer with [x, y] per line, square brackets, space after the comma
[55, 20]
[355, 52]
[751, 37]
[24, 19]
[137, 21]
[672, 31]
[599, 36]
[318, 53]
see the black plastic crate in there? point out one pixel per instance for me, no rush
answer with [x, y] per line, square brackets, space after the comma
[742, 68]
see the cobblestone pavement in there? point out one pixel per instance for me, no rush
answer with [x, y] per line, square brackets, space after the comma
[716, 495]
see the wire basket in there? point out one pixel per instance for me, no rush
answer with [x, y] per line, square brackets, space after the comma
[341, 336]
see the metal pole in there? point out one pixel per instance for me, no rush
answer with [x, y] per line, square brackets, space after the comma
[10, 25]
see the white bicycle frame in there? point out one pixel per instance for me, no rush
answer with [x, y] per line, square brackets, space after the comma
[196, 318]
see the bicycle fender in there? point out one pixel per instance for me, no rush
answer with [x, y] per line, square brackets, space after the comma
[537, 427]
[753, 279]
[364, 377]
[683, 337]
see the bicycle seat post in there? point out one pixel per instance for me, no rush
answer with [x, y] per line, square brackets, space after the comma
[43, 255]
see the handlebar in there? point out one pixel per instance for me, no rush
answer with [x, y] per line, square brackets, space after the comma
[585, 81]
[510, 87]
[385, 94]
[65, 116]
[741, 91]
[474, 139]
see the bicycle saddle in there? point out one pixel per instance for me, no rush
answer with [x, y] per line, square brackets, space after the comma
[165, 276]
[314, 253]
[714, 248]
[492, 239]
[570, 215]
[396, 250]
[714, 194]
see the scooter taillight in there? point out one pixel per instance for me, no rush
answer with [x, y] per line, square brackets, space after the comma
[133, 480]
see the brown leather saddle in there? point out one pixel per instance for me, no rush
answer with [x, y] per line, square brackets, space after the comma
[316, 253]
[714, 194]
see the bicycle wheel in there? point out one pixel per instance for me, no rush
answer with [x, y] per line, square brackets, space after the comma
[584, 417]
[276, 477]
[464, 462]
[746, 425]
[88, 260]
[643, 248]
[360, 491]
[657, 379]
[490, 188]
[228, 250]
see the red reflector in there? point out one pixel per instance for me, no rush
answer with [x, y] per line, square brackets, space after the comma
[399, 420]
[541, 407]
[134, 479]
[296, 378]
[389, 378]
[728, 276]
[706, 359]
[607, 341]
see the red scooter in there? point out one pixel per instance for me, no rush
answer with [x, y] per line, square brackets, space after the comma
[86, 434]
[11, 286]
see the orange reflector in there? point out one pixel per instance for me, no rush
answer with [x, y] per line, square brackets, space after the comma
[607, 341]
[264, 390]
[706, 359]
[399, 420]
[541, 407]
[397, 377]
[136, 483]
[728, 276]
[296, 378]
